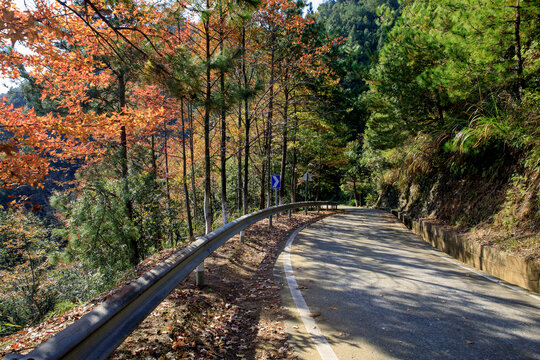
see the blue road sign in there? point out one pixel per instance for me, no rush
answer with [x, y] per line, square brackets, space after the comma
[276, 181]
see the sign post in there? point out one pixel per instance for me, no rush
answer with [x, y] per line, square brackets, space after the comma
[276, 184]
[306, 178]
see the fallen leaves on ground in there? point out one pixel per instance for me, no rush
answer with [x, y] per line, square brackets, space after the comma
[237, 315]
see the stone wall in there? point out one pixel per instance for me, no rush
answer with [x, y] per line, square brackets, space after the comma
[512, 269]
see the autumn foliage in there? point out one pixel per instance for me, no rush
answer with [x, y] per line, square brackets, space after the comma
[167, 114]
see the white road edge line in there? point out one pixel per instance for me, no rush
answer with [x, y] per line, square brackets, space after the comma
[319, 340]
[455, 262]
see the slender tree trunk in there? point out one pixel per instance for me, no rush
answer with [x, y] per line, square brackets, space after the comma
[155, 184]
[184, 171]
[317, 197]
[223, 141]
[247, 126]
[293, 165]
[519, 60]
[132, 242]
[207, 159]
[166, 148]
[263, 186]
[262, 189]
[167, 186]
[123, 135]
[239, 162]
[192, 158]
[284, 144]
[355, 192]
[270, 123]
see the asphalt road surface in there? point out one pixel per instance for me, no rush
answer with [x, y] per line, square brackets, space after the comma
[376, 293]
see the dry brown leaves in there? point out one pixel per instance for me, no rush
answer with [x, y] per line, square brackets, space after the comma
[236, 315]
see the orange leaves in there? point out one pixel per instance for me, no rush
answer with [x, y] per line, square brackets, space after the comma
[14, 24]
[23, 169]
[274, 11]
[76, 67]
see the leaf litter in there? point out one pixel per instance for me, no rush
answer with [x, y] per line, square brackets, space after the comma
[237, 315]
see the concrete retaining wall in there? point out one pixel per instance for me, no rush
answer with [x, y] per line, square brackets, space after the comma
[491, 261]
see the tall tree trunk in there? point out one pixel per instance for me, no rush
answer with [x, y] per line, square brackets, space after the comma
[132, 241]
[355, 192]
[293, 165]
[207, 168]
[167, 186]
[239, 162]
[184, 171]
[247, 125]
[284, 142]
[262, 148]
[270, 122]
[317, 197]
[159, 234]
[519, 60]
[223, 140]
[166, 148]
[192, 158]
[262, 195]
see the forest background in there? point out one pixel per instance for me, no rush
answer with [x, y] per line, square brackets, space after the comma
[137, 125]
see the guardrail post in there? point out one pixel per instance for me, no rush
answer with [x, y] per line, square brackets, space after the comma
[241, 235]
[199, 275]
[290, 213]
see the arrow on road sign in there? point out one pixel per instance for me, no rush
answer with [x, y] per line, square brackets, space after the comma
[276, 181]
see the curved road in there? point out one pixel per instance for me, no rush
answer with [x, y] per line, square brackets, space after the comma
[377, 293]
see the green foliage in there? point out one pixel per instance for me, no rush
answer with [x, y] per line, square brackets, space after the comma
[24, 292]
[99, 225]
[357, 184]
[35, 284]
[444, 94]
[364, 25]
[319, 152]
[443, 63]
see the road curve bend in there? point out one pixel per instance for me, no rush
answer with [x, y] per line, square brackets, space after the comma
[374, 292]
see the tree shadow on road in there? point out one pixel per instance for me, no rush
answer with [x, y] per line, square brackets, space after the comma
[401, 300]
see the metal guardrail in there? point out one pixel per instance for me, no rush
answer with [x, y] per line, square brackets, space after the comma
[97, 334]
